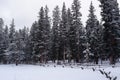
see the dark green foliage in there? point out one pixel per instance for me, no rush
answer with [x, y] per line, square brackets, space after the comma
[93, 33]
[75, 32]
[56, 34]
[110, 16]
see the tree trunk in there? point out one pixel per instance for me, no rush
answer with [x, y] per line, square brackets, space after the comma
[69, 58]
[112, 59]
[64, 56]
[41, 59]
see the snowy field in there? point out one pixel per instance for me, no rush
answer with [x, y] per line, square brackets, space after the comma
[36, 72]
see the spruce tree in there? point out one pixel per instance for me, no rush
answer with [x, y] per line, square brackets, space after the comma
[22, 43]
[20, 46]
[6, 35]
[26, 42]
[12, 32]
[75, 31]
[111, 18]
[1, 40]
[39, 46]
[6, 41]
[99, 43]
[92, 25]
[11, 51]
[47, 31]
[33, 41]
[69, 24]
[63, 33]
[56, 34]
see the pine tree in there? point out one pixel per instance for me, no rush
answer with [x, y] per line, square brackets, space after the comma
[26, 42]
[55, 34]
[1, 40]
[99, 42]
[33, 41]
[22, 42]
[11, 51]
[6, 34]
[41, 36]
[47, 34]
[6, 40]
[63, 33]
[111, 18]
[91, 32]
[12, 32]
[39, 46]
[75, 31]
[20, 45]
[69, 24]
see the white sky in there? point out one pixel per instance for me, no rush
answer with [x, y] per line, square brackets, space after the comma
[25, 12]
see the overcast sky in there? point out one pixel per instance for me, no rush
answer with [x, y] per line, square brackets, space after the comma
[25, 12]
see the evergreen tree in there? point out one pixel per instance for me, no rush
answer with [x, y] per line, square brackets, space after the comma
[39, 46]
[56, 34]
[33, 40]
[6, 34]
[12, 32]
[11, 51]
[26, 42]
[6, 40]
[69, 24]
[41, 42]
[63, 33]
[46, 34]
[99, 43]
[1, 40]
[75, 31]
[22, 43]
[20, 46]
[110, 16]
[92, 25]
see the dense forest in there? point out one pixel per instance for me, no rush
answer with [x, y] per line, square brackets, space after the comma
[62, 38]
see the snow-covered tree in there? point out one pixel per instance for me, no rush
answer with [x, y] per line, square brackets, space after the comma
[27, 46]
[12, 51]
[63, 33]
[75, 31]
[40, 36]
[47, 31]
[15, 51]
[111, 17]
[39, 46]
[33, 40]
[92, 26]
[69, 24]
[22, 43]
[55, 34]
[12, 32]
[1, 40]
[6, 37]
[20, 46]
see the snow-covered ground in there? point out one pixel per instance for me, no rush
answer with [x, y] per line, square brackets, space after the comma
[36, 72]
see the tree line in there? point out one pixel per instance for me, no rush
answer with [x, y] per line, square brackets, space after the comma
[63, 37]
